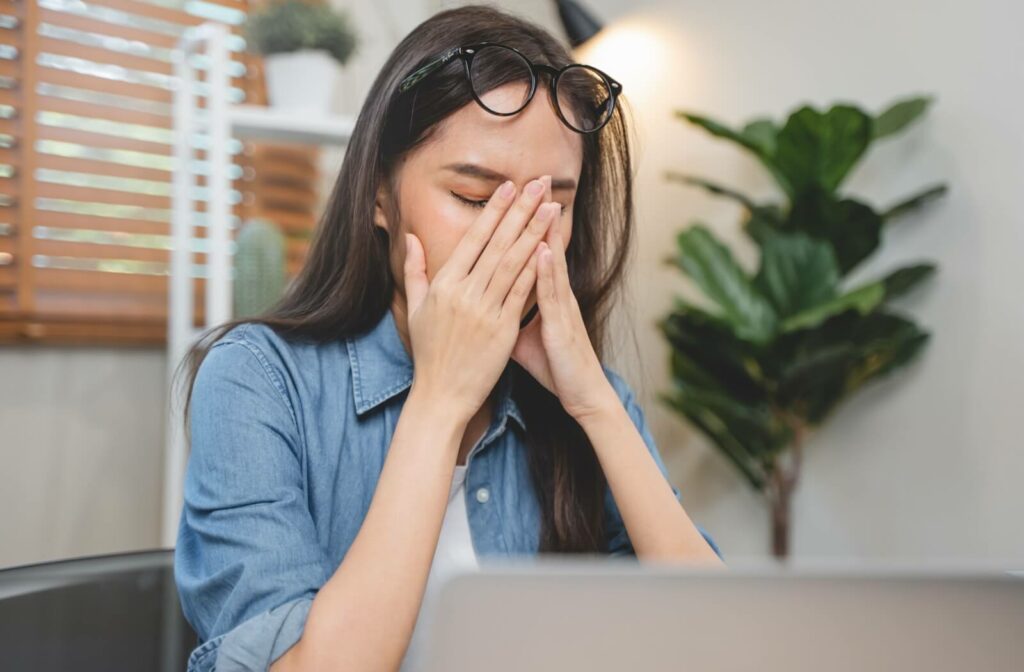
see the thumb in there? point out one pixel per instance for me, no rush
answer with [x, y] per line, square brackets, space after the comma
[415, 273]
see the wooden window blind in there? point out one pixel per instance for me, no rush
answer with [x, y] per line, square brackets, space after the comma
[86, 164]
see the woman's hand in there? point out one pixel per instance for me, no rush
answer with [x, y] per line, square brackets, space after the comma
[464, 322]
[555, 347]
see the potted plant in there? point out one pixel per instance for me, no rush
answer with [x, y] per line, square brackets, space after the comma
[304, 44]
[772, 352]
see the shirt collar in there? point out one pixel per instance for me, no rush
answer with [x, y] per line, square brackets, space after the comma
[381, 368]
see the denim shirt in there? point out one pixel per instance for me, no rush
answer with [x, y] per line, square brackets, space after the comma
[288, 440]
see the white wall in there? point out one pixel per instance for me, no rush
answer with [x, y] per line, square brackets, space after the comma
[81, 440]
[927, 465]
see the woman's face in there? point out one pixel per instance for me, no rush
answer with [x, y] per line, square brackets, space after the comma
[468, 158]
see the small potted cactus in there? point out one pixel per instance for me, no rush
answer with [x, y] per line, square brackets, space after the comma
[304, 44]
[260, 277]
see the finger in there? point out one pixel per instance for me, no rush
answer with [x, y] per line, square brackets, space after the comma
[505, 236]
[415, 269]
[512, 263]
[547, 299]
[466, 253]
[560, 268]
[521, 289]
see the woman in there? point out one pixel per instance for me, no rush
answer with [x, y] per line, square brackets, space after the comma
[323, 462]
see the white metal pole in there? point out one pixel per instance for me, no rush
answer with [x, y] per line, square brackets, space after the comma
[181, 288]
[218, 279]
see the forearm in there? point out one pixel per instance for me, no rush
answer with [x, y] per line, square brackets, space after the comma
[363, 617]
[657, 524]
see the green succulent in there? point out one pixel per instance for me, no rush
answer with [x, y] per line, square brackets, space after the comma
[781, 347]
[260, 260]
[281, 26]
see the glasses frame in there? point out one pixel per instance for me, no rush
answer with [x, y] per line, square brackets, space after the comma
[467, 52]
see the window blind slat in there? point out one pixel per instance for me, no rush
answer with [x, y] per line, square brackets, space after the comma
[73, 136]
[83, 283]
[294, 223]
[151, 10]
[111, 306]
[48, 190]
[135, 62]
[8, 284]
[97, 27]
[109, 86]
[66, 220]
[52, 162]
[149, 255]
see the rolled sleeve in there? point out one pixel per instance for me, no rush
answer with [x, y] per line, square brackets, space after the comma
[247, 561]
[618, 538]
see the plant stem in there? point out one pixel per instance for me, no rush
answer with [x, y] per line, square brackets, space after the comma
[782, 484]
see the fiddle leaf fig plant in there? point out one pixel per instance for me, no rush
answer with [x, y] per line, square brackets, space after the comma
[770, 353]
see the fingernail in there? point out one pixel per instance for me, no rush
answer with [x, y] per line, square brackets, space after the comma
[535, 187]
[506, 189]
[544, 212]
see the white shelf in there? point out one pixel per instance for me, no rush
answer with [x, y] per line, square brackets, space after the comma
[220, 121]
[266, 123]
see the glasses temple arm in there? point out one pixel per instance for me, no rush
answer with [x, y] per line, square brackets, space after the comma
[413, 78]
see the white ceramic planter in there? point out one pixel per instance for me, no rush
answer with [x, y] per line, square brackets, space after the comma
[301, 80]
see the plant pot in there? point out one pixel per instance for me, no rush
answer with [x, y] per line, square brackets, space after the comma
[301, 80]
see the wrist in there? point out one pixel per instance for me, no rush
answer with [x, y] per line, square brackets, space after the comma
[438, 406]
[603, 406]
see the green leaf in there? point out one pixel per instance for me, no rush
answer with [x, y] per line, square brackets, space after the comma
[797, 272]
[900, 115]
[716, 189]
[818, 149]
[720, 130]
[752, 138]
[748, 435]
[852, 228]
[904, 279]
[889, 342]
[763, 221]
[813, 382]
[705, 352]
[914, 202]
[713, 269]
[863, 300]
[834, 360]
[763, 134]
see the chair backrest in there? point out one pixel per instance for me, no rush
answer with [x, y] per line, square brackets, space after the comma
[111, 613]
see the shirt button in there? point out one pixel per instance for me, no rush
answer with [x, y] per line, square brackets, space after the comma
[482, 495]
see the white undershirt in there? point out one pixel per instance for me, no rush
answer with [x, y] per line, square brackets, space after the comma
[454, 554]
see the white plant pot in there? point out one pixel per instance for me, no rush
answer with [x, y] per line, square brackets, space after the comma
[301, 81]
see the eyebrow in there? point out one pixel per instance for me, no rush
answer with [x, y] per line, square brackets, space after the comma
[480, 172]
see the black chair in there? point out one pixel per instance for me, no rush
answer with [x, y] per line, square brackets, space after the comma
[105, 613]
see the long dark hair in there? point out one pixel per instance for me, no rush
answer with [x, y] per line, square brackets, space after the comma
[345, 285]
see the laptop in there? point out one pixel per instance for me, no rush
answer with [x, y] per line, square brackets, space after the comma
[617, 615]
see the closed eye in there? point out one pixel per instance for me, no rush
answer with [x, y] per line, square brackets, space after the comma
[481, 204]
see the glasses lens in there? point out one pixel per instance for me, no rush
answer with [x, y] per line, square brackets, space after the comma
[501, 79]
[584, 98]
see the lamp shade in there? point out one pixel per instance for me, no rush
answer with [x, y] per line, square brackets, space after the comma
[580, 25]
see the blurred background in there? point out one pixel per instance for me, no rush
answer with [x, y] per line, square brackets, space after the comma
[899, 391]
